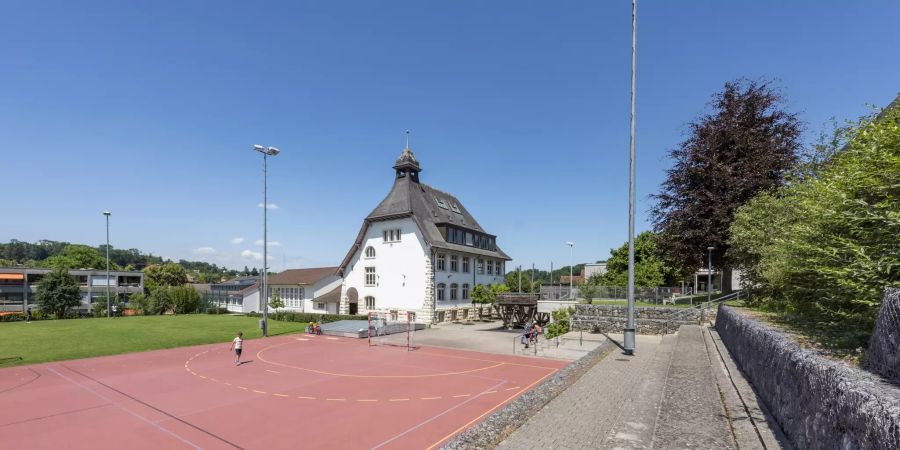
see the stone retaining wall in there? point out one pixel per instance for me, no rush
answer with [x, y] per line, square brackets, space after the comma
[819, 403]
[648, 320]
[884, 347]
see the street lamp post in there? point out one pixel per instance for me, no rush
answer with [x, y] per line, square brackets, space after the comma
[107, 214]
[709, 278]
[571, 263]
[629, 326]
[264, 292]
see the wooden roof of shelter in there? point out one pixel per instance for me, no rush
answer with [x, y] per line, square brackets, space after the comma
[516, 298]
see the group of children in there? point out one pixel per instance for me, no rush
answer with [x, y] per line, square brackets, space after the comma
[532, 330]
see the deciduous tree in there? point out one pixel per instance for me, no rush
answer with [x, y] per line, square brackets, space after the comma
[57, 292]
[746, 144]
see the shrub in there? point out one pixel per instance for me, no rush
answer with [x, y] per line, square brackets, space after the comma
[560, 324]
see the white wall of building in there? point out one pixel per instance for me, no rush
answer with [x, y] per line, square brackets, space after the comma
[472, 278]
[399, 267]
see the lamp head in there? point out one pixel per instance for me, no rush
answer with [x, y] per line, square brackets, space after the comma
[570, 244]
[272, 151]
[710, 248]
[259, 148]
[106, 213]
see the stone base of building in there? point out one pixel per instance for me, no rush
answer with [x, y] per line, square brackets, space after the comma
[464, 313]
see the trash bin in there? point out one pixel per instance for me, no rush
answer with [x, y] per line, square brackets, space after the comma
[262, 325]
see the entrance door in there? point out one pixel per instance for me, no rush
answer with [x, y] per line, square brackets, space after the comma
[353, 309]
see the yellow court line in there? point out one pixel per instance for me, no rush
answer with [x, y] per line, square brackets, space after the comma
[487, 412]
[431, 398]
[280, 395]
[241, 387]
[322, 372]
[398, 400]
[512, 388]
[306, 398]
[462, 395]
[273, 371]
[366, 400]
[489, 392]
[336, 399]
[259, 392]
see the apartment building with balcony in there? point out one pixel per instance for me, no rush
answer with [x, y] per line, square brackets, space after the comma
[18, 286]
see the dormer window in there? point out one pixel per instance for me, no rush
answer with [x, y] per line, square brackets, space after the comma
[455, 208]
[440, 202]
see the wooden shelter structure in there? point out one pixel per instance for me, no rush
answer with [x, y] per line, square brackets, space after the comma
[517, 308]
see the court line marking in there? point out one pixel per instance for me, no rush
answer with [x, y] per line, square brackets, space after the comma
[273, 371]
[366, 400]
[322, 372]
[467, 425]
[259, 392]
[306, 398]
[281, 395]
[433, 418]
[336, 399]
[117, 405]
[431, 398]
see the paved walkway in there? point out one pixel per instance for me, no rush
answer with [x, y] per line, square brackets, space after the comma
[491, 337]
[665, 396]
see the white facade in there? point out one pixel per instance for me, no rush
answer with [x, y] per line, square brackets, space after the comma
[308, 298]
[402, 279]
[399, 267]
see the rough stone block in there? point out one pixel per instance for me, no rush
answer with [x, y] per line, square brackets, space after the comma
[884, 346]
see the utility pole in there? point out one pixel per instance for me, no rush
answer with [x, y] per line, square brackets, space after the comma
[629, 327]
[107, 213]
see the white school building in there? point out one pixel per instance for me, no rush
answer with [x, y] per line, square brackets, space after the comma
[419, 250]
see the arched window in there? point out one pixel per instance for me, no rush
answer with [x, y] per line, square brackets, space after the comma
[441, 287]
[465, 291]
[453, 288]
[370, 252]
[370, 303]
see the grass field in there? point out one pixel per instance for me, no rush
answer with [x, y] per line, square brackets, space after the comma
[55, 340]
[624, 302]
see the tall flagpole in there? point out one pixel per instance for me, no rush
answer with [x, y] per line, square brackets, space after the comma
[629, 327]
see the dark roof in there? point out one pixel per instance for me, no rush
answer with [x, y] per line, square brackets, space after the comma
[332, 296]
[410, 198]
[246, 290]
[302, 276]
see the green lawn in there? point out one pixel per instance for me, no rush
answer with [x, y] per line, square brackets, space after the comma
[55, 340]
[625, 302]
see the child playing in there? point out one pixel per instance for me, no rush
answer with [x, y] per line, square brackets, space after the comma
[236, 344]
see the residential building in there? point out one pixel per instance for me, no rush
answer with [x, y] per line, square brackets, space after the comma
[240, 295]
[419, 250]
[316, 290]
[18, 286]
[590, 270]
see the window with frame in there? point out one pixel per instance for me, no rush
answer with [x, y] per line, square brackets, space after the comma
[370, 276]
[441, 287]
[499, 268]
[370, 303]
[480, 266]
[320, 306]
[465, 291]
[392, 235]
[465, 264]
[454, 263]
[490, 267]
[370, 252]
[441, 262]
[453, 288]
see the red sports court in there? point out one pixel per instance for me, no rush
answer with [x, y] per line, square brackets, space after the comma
[297, 391]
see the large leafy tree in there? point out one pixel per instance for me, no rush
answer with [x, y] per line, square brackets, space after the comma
[164, 275]
[76, 256]
[57, 292]
[746, 144]
[826, 247]
[650, 268]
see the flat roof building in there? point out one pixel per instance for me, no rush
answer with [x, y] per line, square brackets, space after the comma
[18, 286]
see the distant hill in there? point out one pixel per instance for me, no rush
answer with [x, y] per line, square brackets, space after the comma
[45, 253]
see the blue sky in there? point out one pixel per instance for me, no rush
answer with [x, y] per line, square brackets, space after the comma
[520, 108]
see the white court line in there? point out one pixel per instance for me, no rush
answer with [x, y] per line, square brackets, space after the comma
[426, 422]
[163, 429]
